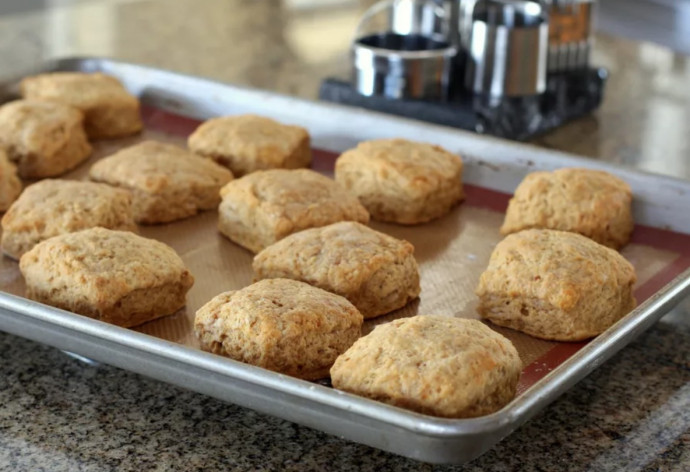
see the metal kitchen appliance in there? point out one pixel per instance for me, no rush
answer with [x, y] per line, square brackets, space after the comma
[511, 68]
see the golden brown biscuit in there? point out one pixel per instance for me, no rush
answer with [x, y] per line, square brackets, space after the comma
[10, 185]
[247, 143]
[109, 110]
[375, 272]
[45, 139]
[52, 207]
[593, 203]
[264, 207]
[281, 325]
[113, 276]
[437, 365]
[167, 182]
[402, 181]
[555, 285]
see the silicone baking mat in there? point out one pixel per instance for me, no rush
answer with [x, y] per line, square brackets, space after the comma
[452, 252]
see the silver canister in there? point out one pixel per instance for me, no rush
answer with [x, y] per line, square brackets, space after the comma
[401, 50]
[506, 47]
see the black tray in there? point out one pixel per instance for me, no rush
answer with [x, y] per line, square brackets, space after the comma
[568, 96]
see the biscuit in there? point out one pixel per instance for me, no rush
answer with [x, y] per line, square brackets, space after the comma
[281, 325]
[248, 143]
[10, 185]
[402, 181]
[593, 203]
[45, 139]
[555, 285]
[53, 207]
[265, 206]
[167, 182]
[109, 110]
[375, 272]
[437, 365]
[113, 276]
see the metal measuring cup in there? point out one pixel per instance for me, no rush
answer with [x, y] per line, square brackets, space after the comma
[407, 55]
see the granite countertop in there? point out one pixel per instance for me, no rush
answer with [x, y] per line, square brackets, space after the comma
[60, 414]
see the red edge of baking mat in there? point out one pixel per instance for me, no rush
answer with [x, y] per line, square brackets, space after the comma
[484, 198]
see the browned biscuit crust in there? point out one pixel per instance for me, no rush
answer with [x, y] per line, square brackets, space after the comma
[593, 203]
[265, 206]
[247, 143]
[109, 110]
[45, 139]
[53, 207]
[555, 285]
[437, 365]
[113, 276]
[402, 181]
[167, 182]
[375, 272]
[281, 325]
[10, 185]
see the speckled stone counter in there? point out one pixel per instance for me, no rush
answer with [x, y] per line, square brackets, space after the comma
[59, 414]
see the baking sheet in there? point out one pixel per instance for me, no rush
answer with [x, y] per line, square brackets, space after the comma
[452, 252]
[493, 168]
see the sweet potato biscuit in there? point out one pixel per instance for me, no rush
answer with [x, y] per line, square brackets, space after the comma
[590, 202]
[10, 185]
[555, 285]
[109, 110]
[53, 207]
[265, 206]
[113, 276]
[402, 181]
[281, 325]
[167, 182]
[437, 365]
[45, 139]
[375, 272]
[247, 143]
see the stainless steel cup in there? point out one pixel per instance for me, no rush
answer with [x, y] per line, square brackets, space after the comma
[409, 56]
[507, 46]
[426, 18]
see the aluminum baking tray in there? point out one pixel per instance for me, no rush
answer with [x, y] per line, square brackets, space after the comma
[493, 168]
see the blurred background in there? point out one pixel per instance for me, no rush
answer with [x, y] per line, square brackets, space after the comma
[290, 46]
[299, 41]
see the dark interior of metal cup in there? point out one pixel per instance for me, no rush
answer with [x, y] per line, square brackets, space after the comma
[403, 42]
[519, 14]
